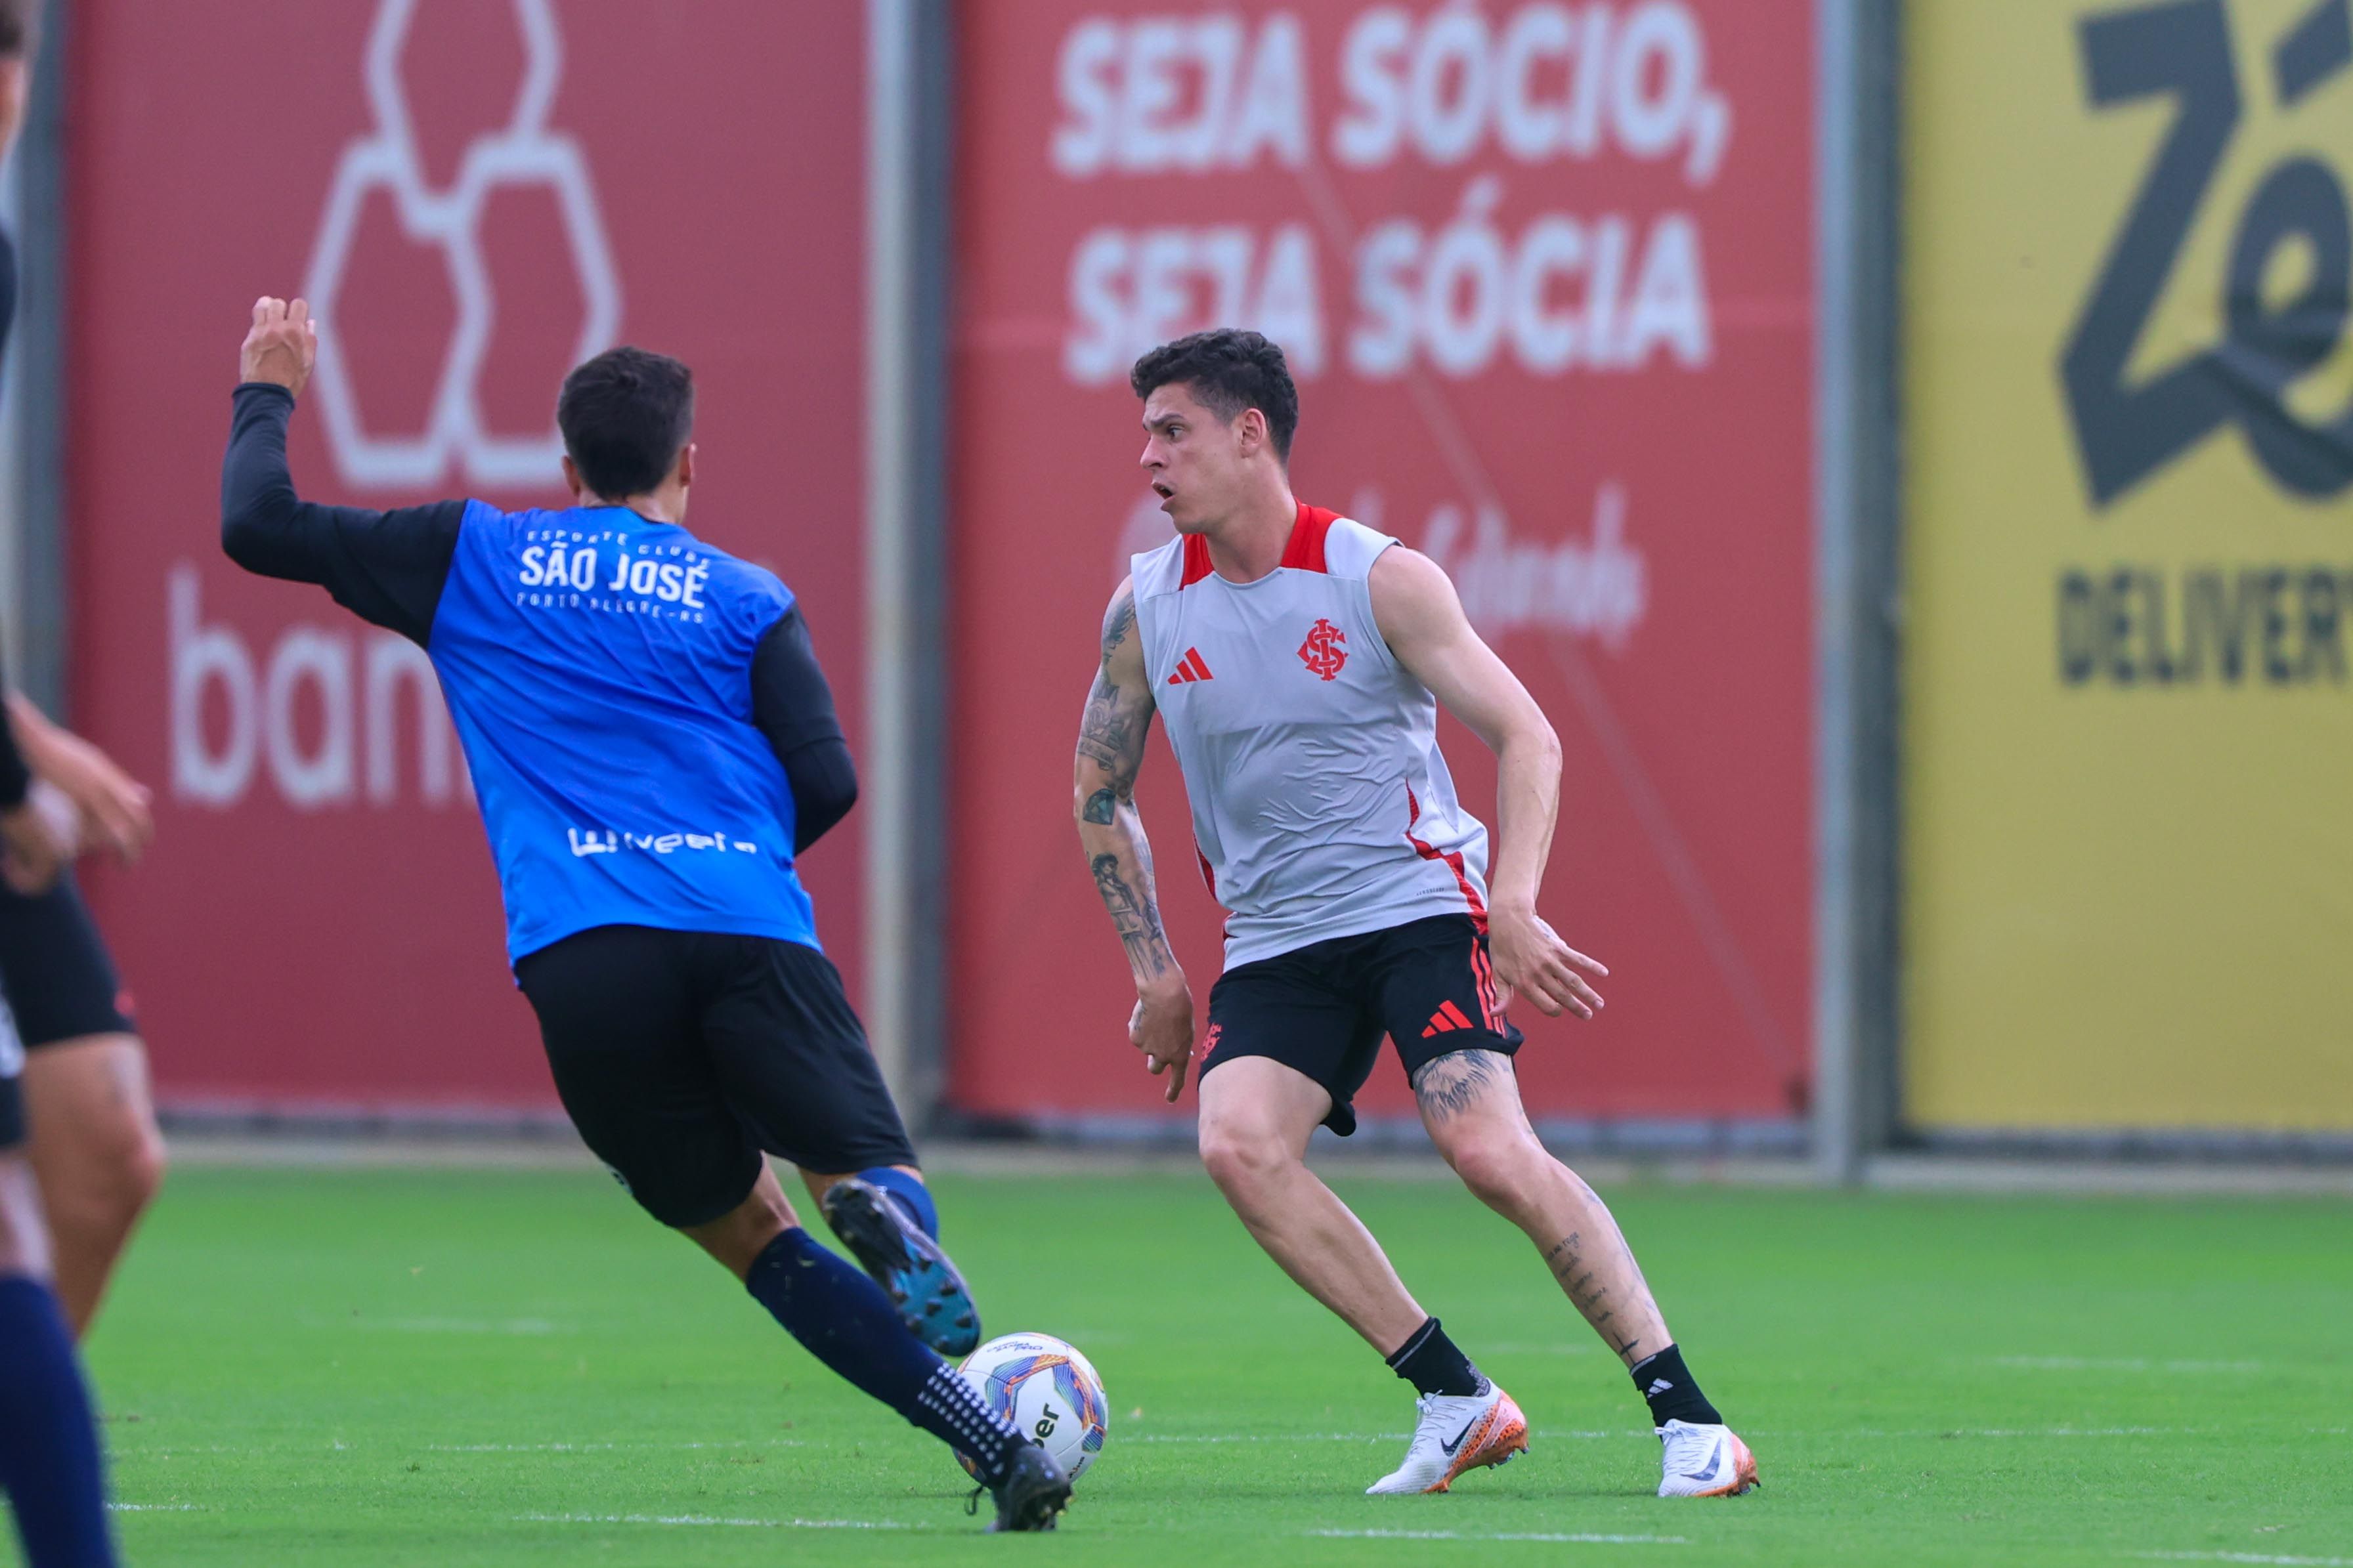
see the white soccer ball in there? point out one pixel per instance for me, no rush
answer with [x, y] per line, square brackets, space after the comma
[1047, 1390]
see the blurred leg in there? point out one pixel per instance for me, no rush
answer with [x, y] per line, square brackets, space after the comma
[49, 1445]
[98, 1154]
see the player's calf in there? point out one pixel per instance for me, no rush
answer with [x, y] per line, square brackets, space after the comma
[843, 1319]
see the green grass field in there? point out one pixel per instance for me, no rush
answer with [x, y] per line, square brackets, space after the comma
[344, 1368]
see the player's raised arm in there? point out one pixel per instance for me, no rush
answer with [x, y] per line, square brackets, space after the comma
[1421, 618]
[387, 566]
[1111, 752]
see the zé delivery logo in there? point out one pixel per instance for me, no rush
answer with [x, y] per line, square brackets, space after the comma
[2132, 420]
[523, 152]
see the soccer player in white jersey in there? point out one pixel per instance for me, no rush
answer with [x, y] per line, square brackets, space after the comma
[1299, 658]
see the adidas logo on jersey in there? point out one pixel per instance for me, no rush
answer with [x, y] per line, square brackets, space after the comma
[1190, 668]
[1448, 1017]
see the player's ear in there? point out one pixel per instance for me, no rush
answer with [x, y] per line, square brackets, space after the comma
[686, 466]
[572, 480]
[1249, 431]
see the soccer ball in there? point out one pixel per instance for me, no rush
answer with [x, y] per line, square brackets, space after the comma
[1047, 1390]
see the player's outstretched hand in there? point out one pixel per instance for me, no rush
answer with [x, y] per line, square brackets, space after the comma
[105, 808]
[1162, 1028]
[281, 345]
[1531, 960]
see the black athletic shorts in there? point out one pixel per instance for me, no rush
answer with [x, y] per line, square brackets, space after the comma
[1322, 1009]
[682, 1055]
[59, 977]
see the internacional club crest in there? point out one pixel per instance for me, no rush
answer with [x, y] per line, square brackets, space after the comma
[1321, 652]
[524, 152]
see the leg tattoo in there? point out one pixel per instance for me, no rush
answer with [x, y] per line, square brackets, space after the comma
[1450, 1085]
[1576, 1264]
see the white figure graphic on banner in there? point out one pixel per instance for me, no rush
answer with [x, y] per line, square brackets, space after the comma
[523, 152]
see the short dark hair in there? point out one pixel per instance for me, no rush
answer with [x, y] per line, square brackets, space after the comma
[1229, 370]
[15, 27]
[625, 416]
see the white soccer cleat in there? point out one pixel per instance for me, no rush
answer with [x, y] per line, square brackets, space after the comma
[1704, 1461]
[1456, 1433]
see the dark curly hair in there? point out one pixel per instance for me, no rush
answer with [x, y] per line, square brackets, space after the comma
[1229, 370]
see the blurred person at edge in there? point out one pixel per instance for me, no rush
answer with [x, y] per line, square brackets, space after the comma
[89, 1119]
[49, 1445]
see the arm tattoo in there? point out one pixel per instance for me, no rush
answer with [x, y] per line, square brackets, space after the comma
[1117, 621]
[1133, 916]
[1111, 733]
[1111, 739]
[1452, 1083]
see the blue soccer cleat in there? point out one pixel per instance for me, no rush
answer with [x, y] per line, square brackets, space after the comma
[910, 1266]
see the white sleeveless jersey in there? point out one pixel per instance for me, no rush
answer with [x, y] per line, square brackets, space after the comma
[1322, 807]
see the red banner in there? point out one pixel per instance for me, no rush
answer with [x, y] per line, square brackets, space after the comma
[1543, 273]
[474, 195]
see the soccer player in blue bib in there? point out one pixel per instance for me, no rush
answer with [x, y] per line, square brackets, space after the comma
[653, 744]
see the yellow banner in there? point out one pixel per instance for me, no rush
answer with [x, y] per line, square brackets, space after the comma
[2128, 448]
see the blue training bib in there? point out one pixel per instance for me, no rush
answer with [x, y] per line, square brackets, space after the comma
[598, 667]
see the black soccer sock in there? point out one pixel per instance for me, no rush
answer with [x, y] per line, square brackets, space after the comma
[844, 1319]
[1430, 1362]
[1671, 1389]
[49, 1449]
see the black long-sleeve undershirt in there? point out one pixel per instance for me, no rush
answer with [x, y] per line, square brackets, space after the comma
[389, 568]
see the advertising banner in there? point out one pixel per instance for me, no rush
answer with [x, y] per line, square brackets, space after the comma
[2129, 864]
[474, 195]
[1543, 274]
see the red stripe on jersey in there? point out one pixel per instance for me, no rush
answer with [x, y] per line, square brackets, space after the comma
[1200, 666]
[1453, 859]
[1453, 1014]
[1304, 552]
[1197, 560]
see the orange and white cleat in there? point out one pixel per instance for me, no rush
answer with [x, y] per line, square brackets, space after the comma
[1457, 1434]
[1704, 1461]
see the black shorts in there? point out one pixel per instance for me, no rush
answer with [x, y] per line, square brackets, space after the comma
[60, 979]
[681, 1055]
[1322, 1009]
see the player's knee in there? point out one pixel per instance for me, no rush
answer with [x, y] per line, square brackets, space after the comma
[1238, 1160]
[124, 1163]
[1495, 1163]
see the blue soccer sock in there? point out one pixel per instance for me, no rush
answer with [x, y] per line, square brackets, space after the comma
[844, 1319]
[49, 1447]
[909, 1191]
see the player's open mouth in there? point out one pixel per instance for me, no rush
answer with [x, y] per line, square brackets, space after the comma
[1163, 491]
